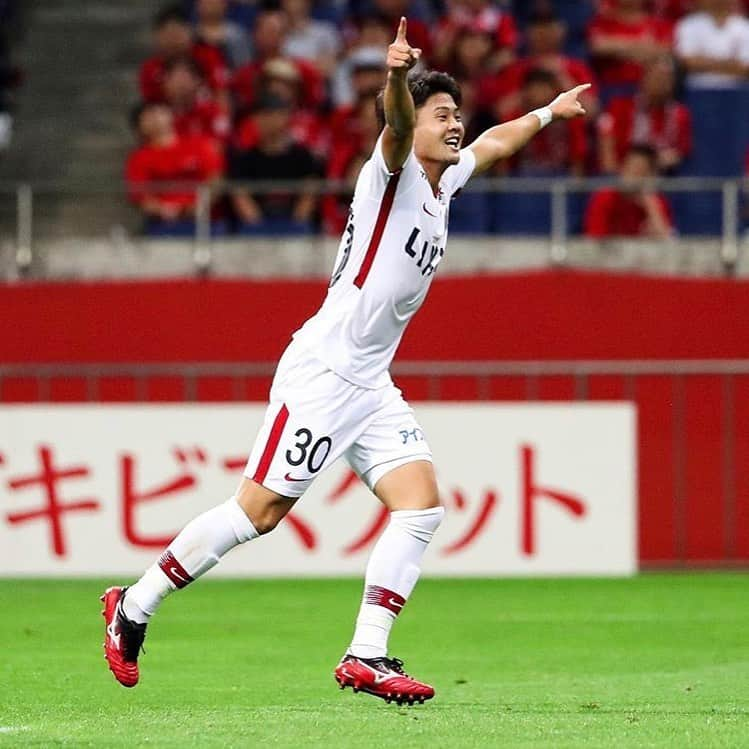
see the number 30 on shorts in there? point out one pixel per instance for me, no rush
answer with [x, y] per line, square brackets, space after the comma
[315, 455]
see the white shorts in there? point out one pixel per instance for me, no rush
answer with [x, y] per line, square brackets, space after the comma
[315, 417]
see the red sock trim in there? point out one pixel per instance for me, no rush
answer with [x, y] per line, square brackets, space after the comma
[174, 570]
[389, 599]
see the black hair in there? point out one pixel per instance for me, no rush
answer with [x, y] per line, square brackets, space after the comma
[542, 17]
[184, 62]
[422, 86]
[170, 13]
[646, 151]
[540, 75]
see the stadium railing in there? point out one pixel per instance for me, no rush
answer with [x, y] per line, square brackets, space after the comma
[707, 206]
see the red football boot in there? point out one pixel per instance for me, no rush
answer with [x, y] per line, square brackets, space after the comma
[122, 638]
[381, 677]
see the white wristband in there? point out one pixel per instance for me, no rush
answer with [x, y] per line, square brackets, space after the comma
[544, 116]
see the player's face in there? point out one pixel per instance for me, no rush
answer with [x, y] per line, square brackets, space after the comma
[439, 130]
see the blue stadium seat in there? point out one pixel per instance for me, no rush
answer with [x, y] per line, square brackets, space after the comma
[276, 227]
[530, 213]
[469, 213]
[180, 229]
[697, 213]
[520, 213]
[721, 134]
[721, 138]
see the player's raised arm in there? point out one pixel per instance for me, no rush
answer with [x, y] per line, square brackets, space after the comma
[400, 114]
[502, 141]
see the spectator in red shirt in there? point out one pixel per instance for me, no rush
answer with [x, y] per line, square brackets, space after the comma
[653, 117]
[369, 40]
[348, 121]
[633, 209]
[482, 15]
[195, 111]
[276, 156]
[472, 54]
[561, 147]
[622, 40]
[355, 147]
[268, 38]
[163, 156]
[215, 30]
[173, 39]
[545, 36]
[280, 77]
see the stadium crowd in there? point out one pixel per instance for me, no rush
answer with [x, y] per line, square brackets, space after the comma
[285, 91]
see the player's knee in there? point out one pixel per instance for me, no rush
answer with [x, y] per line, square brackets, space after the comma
[264, 508]
[266, 520]
[421, 524]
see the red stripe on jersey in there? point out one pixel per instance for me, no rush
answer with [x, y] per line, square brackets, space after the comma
[382, 218]
[270, 447]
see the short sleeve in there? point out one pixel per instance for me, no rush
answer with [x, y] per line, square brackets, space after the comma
[378, 159]
[457, 175]
[378, 174]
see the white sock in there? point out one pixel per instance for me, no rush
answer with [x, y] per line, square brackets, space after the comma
[197, 548]
[392, 572]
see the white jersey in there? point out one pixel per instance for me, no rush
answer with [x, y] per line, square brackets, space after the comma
[698, 35]
[393, 242]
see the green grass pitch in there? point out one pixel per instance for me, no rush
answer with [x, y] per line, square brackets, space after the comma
[659, 660]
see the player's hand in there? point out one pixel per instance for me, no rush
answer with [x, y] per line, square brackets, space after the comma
[567, 105]
[401, 56]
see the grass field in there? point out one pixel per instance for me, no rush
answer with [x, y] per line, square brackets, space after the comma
[660, 660]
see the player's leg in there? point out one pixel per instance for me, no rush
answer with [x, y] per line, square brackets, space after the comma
[305, 429]
[410, 492]
[251, 512]
[394, 460]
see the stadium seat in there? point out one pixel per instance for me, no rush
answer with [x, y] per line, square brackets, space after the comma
[278, 227]
[721, 138]
[721, 135]
[520, 213]
[469, 213]
[180, 229]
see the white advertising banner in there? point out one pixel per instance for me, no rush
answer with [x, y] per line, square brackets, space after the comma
[529, 489]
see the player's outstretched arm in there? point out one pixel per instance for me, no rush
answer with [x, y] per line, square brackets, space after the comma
[400, 114]
[502, 141]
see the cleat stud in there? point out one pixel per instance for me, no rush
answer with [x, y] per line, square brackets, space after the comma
[101, 598]
[356, 690]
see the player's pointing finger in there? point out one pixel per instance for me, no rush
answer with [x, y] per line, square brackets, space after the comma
[401, 35]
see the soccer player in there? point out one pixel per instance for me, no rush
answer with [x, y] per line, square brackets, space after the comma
[332, 395]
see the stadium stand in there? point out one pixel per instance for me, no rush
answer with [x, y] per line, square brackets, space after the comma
[322, 58]
[664, 74]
